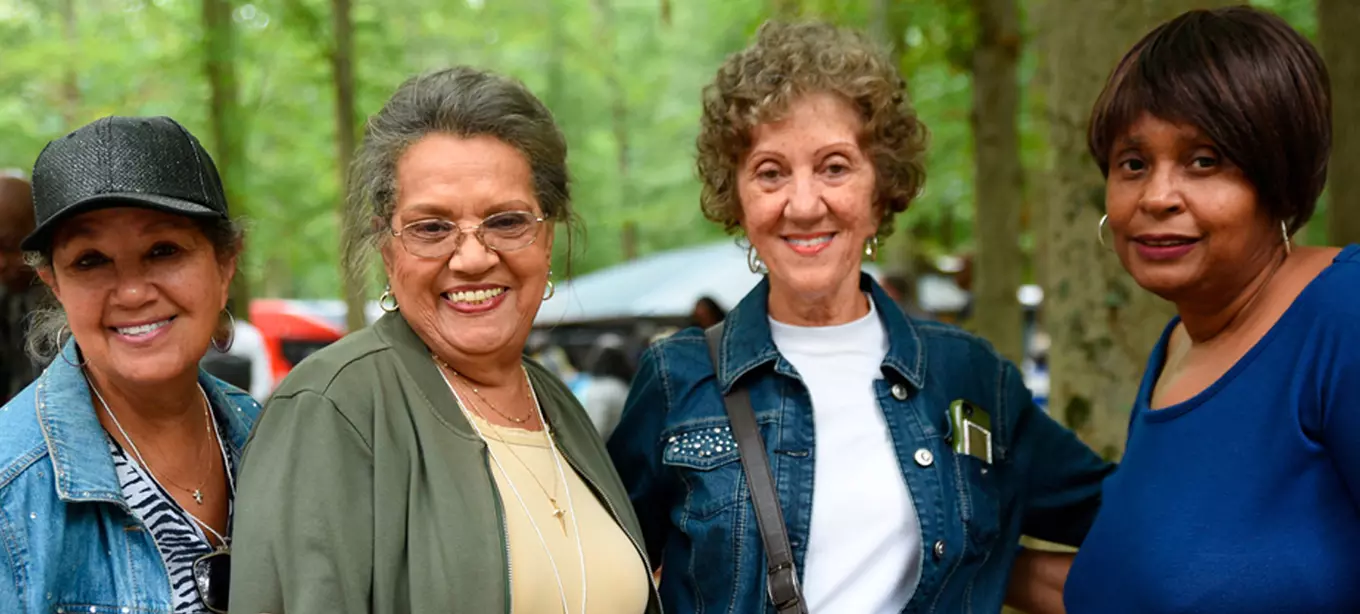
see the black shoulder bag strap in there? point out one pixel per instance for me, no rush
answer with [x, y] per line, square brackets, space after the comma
[782, 581]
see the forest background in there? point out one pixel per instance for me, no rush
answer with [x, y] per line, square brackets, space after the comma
[278, 89]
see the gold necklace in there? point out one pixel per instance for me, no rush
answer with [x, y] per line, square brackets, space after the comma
[558, 512]
[478, 393]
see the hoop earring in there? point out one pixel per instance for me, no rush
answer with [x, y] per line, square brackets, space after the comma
[386, 299]
[754, 262]
[1284, 232]
[79, 365]
[231, 335]
[551, 290]
[871, 248]
[1100, 230]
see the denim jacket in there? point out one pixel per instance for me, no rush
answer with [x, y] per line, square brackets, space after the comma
[677, 457]
[71, 544]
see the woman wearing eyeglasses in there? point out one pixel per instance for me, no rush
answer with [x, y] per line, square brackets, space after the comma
[117, 464]
[421, 464]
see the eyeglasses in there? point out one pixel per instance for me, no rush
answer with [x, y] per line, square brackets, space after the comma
[506, 231]
[212, 576]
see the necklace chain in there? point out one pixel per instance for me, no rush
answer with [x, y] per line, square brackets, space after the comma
[478, 393]
[213, 433]
[552, 496]
[552, 448]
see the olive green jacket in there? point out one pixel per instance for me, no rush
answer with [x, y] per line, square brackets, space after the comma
[364, 488]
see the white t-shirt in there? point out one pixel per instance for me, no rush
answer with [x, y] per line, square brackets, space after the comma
[864, 546]
[249, 343]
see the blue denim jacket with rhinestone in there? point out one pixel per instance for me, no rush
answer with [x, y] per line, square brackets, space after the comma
[675, 452]
[71, 542]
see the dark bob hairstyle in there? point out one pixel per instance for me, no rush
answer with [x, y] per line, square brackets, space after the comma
[1248, 81]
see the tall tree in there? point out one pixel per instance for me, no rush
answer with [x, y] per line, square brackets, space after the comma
[70, 88]
[1338, 21]
[618, 113]
[997, 186]
[346, 126]
[227, 128]
[1102, 324]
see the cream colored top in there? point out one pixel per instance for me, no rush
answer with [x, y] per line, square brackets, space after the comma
[616, 579]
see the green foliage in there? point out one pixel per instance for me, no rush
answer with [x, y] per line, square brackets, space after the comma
[587, 59]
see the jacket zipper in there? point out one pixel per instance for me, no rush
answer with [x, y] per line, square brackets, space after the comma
[651, 578]
[505, 527]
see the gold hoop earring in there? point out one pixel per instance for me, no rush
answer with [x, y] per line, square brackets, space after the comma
[551, 290]
[386, 299]
[1100, 230]
[871, 248]
[1284, 232]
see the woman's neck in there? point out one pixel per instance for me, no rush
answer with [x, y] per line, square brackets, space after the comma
[1217, 314]
[846, 303]
[168, 409]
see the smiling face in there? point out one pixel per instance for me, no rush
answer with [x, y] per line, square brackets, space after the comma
[142, 290]
[474, 302]
[807, 201]
[1185, 220]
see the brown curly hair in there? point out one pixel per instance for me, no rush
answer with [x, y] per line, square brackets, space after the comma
[790, 60]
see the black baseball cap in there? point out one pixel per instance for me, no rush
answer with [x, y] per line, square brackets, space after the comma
[150, 162]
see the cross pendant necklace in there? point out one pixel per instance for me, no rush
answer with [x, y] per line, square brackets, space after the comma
[560, 514]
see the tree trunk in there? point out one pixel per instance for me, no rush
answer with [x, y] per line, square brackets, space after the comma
[346, 127]
[227, 127]
[996, 99]
[1338, 20]
[70, 88]
[618, 113]
[1102, 324]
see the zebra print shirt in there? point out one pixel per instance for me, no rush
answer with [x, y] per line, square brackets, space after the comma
[179, 539]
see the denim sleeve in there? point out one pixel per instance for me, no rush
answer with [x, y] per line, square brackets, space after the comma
[11, 595]
[636, 450]
[1061, 476]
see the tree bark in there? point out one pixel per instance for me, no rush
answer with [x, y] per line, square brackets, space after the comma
[997, 184]
[1338, 20]
[227, 127]
[346, 127]
[70, 87]
[1102, 324]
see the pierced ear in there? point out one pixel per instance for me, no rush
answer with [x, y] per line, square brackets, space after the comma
[49, 278]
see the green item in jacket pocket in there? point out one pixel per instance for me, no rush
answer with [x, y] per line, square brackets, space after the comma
[972, 430]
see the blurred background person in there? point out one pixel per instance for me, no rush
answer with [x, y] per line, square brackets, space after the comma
[707, 312]
[609, 372]
[20, 292]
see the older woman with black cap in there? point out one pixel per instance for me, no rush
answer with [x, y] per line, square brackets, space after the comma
[117, 464]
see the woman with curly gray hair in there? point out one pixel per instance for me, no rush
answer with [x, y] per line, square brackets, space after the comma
[906, 457]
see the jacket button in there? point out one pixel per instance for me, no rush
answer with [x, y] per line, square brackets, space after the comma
[939, 550]
[899, 392]
[924, 458]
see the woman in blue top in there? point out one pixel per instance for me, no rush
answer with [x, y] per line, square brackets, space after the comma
[117, 464]
[1238, 489]
[809, 147]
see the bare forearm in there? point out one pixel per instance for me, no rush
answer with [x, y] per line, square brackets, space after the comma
[1037, 580]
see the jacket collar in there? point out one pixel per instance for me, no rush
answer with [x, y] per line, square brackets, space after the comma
[75, 438]
[748, 344]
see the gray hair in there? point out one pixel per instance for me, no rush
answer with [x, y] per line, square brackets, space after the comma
[460, 101]
[48, 327]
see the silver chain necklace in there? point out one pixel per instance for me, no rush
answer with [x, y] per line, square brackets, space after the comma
[217, 436]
